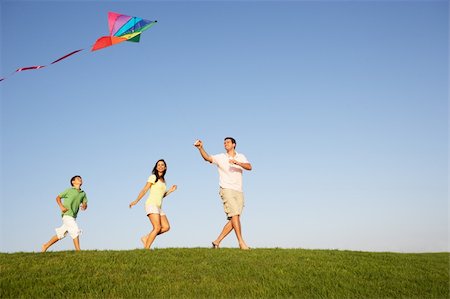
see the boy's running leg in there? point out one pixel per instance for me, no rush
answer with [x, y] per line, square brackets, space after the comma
[76, 243]
[52, 241]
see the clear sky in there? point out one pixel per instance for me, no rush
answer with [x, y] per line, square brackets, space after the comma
[340, 106]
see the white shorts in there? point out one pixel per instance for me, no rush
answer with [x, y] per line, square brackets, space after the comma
[70, 226]
[153, 209]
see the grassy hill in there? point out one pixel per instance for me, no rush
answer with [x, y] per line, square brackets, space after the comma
[224, 273]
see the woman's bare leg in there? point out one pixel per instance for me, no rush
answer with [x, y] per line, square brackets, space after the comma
[155, 220]
[165, 226]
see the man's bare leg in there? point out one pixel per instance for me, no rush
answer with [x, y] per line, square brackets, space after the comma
[225, 231]
[236, 222]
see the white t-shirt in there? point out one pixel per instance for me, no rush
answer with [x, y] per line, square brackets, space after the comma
[230, 175]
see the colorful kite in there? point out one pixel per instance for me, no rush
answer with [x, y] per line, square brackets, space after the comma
[121, 28]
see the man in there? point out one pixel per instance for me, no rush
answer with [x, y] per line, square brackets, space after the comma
[230, 165]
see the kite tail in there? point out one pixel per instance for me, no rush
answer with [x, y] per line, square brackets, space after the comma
[128, 29]
[36, 67]
[65, 56]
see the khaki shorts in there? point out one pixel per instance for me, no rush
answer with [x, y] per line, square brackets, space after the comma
[233, 202]
[69, 226]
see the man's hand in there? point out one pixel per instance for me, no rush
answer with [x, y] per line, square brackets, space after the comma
[198, 143]
[232, 161]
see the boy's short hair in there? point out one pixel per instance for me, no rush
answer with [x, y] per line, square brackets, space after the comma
[73, 179]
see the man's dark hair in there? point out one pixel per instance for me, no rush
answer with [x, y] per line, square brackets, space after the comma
[73, 179]
[232, 140]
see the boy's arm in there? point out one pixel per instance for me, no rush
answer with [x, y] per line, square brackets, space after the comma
[84, 202]
[61, 206]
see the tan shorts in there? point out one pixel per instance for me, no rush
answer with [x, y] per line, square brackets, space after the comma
[233, 202]
[69, 226]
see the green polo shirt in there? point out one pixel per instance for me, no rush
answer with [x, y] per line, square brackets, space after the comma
[72, 198]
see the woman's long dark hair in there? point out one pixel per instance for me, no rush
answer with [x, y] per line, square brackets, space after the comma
[155, 171]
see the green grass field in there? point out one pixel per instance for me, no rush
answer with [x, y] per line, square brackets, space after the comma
[224, 273]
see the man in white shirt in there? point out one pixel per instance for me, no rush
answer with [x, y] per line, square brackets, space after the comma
[230, 165]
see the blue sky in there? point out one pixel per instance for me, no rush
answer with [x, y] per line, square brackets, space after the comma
[340, 106]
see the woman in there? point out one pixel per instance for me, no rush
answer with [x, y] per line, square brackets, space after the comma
[157, 185]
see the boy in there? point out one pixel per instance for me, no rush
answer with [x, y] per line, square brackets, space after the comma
[73, 198]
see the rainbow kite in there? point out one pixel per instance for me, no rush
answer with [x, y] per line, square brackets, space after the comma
[121, 28]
